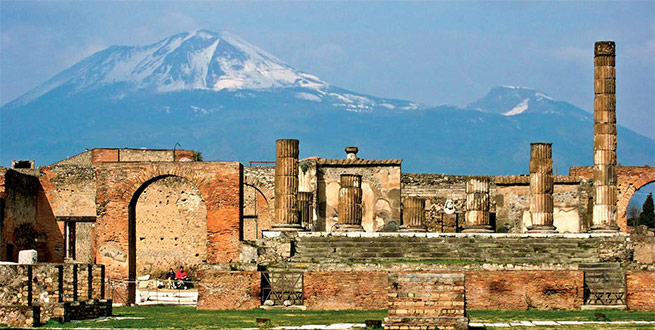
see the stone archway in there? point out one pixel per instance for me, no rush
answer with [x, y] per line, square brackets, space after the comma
[630, 180]
[167, 228]
[219, 184]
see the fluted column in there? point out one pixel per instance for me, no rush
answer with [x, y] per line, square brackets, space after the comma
[286, 186]
[605, 198]
[350, 203]
[413, 214]
[541, 188]
[477, 205]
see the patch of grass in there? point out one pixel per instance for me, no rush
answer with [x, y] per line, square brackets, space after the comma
[180, 317]
[563, 315]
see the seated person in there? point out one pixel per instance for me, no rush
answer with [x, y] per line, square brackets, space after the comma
[182, 278]
[170, 279]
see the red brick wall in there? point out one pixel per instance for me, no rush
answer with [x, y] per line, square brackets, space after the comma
[641, 290]
[104, 155]
[502, 290]
[506, 290]
[345, 290]
[228, 290]
[218, 182]
[183, 155]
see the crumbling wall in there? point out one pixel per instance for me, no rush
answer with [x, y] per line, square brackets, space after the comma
[640, 290]
[345, 290]
[171, 227]
[19, 229]
[380, 194]
[258, 200]
[509, 201]
[219, 184]
[512, 290]
[67, 190]
[220, 289]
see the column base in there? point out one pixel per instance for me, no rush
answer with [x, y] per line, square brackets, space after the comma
[415, 229]
[542, 229]
[348, 228]
[478, 229]
[287, 227]
[604, 229]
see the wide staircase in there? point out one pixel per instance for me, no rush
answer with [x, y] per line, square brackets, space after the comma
[480, 249]
[604, 286]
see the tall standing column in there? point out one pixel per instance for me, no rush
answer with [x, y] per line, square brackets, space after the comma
[350, 203]
[604, 213]
[413, 214]
[477, 205]
[541, 188]
[286, 186]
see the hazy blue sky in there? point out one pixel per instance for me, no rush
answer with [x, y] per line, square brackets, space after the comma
[431, 52]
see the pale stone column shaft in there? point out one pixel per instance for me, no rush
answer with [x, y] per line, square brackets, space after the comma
[477, 205]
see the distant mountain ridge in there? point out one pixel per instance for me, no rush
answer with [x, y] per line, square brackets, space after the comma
[220, 95]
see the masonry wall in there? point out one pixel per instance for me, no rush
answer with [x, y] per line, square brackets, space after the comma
[507, 290]
[67, 190]
[18, 226]
[219, 184]
[380, 195]
[640, 290]
[171, 227]
[258, 200]
[219, 289]
[345, 290]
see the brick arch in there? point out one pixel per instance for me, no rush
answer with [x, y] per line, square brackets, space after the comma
[264, 220]
[630, 180]
[219, 184]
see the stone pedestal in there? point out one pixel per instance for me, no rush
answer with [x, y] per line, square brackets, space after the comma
[286, 186]
[541, 188]
[350, 203]
[477, 205]
[413, 215]
[605, 198]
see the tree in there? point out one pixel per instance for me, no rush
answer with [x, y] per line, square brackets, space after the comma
[633, 214]
[647, 216]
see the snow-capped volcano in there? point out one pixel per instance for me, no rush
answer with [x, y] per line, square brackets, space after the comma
[200, 60]
[514, 100]
[186, 61]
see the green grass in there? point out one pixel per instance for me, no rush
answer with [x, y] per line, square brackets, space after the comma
[188, 317]
[568, 315]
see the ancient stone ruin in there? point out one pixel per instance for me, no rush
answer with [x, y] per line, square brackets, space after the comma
[317, 233]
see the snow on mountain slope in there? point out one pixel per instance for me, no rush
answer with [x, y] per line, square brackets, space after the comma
[201, 60]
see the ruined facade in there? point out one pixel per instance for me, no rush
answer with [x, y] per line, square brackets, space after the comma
[332, 233]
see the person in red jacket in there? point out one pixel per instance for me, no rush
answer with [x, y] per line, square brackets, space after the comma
[182, 278]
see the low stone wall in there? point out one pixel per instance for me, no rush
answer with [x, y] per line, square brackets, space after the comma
[89, 309]
[50, 287]
[510, 290]
[20, 316]
[345, 290]
[219, 289]
[640, 290]
[426, 301]
[321, 247]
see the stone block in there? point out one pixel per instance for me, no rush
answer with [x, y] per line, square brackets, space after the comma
[28, 257]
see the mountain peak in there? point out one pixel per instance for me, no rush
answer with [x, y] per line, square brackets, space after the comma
[512, 100]
[198, 60]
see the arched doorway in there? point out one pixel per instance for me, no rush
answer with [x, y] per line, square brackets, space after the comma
[167, 228]
[637, 200]
[256, 213]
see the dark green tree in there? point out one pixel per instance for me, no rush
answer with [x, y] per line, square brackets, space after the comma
[647, 216]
